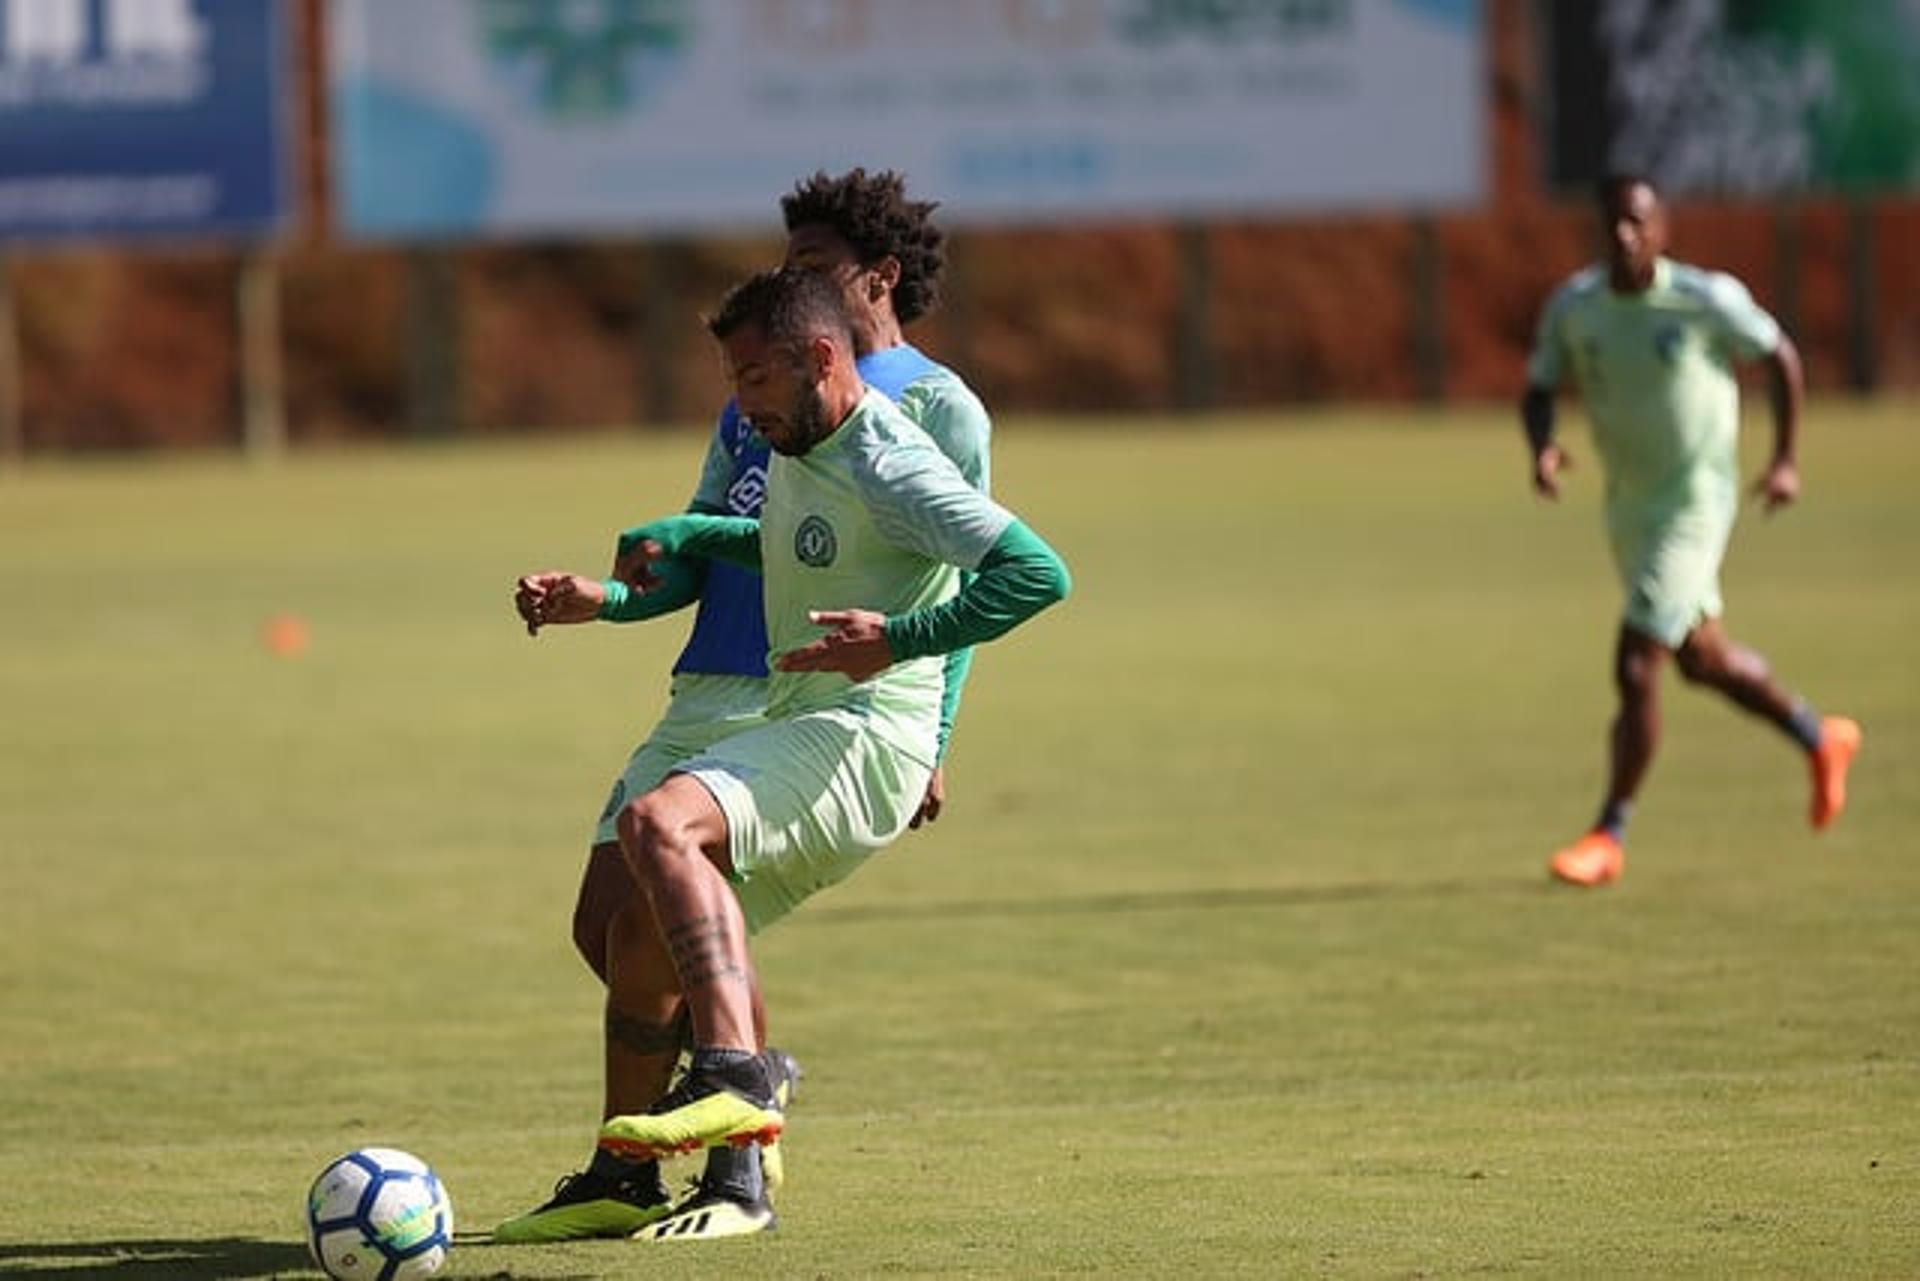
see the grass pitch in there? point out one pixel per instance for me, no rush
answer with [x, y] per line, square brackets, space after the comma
[1233, 956]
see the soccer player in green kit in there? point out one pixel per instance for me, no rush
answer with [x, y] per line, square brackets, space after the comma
[885, 255]
[1650, 344]
[861, 544]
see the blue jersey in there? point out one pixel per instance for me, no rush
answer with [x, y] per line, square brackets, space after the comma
[730, 627]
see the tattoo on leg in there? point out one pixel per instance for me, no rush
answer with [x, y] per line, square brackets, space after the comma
[642, 1036]
[702, 954]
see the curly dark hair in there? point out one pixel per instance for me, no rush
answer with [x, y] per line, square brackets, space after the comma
[871, 212]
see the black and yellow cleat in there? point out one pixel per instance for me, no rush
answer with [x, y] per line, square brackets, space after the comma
[726, 1101]
[711, 1216]
[586, 1206]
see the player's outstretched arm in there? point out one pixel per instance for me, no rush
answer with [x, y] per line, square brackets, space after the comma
[1019, 577]
[1779, 484]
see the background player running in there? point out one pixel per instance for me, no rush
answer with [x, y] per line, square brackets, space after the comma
[1650, 344]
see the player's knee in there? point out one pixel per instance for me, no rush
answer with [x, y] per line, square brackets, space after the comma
[1715, 664]
[653, 836]
[1637, 676]
[1697, 665]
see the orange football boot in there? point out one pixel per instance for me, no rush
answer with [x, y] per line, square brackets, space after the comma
[1595, 859]
[1839, 740]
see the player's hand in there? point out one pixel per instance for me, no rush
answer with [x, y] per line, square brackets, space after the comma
[636, 565]
[1778, 486]
[933, 802]
[1547, 466]
[555, 597]
[856, 647]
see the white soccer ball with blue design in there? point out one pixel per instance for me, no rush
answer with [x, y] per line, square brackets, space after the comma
[379, 1214]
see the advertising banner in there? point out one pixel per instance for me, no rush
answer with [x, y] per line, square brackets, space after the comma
[1737, 97]
[517, 117]
[139, 118]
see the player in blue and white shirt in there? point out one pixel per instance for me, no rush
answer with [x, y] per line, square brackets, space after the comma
[886, 258]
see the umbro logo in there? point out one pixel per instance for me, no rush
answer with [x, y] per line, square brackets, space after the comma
[746, 494]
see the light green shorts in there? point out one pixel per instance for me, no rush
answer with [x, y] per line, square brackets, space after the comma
[1669, 564]
[702, 711]
[807, 800]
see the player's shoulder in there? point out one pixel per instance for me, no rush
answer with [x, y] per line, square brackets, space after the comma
[1585, 286]
[926, 381]
[883, 438]
[1587, 283]
[878, 420]
[1708, 288]
[943, 404]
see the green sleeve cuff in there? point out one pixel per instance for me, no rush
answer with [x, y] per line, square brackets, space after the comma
[735, 539]
[1017, 579]
[681, 578]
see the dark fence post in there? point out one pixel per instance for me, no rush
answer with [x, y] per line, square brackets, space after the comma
[1429, 311]
[434, 402]
[1194, 373]
[13, 438]
[662, 326]
[1863, 347]
[263, 419]
[1789, 265]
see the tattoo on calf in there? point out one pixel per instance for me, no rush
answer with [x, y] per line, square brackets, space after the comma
[702, 953]
[644, 1036]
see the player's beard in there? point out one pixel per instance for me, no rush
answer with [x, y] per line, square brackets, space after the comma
[808, 422]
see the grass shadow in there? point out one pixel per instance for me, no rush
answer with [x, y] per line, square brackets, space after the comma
[216, 1259]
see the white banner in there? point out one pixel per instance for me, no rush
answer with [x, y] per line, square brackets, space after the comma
[523, 117]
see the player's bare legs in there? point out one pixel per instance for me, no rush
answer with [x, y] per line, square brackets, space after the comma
[606, 886]
[1598, 857]
[616, 934]
[675, 841]
[1707, 657]
[646, 1019]
[1712, 658]
[1637, 660]
[648, 1024]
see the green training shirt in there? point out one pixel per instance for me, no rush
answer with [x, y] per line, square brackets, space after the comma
[877, 517]
[873, 517]
[1655, 373]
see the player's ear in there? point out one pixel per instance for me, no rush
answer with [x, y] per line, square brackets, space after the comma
[822, 356]
[883, 278]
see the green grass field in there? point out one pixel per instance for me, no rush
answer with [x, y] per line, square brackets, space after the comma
[1233, 956]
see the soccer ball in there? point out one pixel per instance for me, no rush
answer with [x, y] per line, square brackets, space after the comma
[378, 1214]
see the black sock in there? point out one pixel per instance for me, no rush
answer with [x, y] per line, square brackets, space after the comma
[617, 1169]
[1613, 818]
[735, 1174]
[1804, 725]
[742, 1070]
